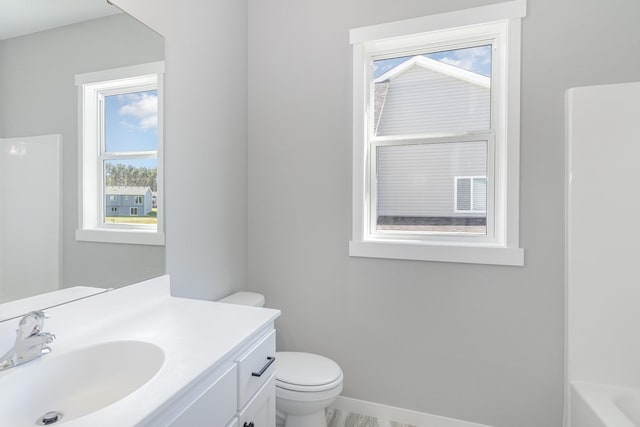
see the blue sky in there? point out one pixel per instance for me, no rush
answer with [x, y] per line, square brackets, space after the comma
[131, 121]
[476, 59]
[131, 124]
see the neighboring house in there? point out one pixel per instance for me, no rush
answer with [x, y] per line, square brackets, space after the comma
[436, 182]
[128, 201]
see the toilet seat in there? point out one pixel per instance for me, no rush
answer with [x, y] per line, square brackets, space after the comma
[306, 372]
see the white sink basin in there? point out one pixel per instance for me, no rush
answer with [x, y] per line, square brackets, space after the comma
[77, 383]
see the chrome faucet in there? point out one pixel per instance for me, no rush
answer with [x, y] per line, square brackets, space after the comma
[30, 343]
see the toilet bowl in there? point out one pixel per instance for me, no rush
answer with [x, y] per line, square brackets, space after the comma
[306, 383]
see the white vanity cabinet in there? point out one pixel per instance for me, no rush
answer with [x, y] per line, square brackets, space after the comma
[261, 410]
[214, 363]
[240, 392]
[257, 384]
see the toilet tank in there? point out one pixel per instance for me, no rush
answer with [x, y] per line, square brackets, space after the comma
[245, 298]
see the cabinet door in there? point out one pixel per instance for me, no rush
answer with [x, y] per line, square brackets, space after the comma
[215, 407]
[261, 410]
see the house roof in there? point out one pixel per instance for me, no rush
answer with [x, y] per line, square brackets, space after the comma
[127, 191]
[381, 84]
[439, 66]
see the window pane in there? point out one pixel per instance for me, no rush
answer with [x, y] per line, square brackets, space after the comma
[480, 194]
[130, 191]
[416, 187]
[446, 91]
[131, 122]
[464, 194]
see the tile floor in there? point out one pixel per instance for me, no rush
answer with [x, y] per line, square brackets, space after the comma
[338, 418]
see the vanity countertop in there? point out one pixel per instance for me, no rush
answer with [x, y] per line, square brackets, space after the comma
[195, 336]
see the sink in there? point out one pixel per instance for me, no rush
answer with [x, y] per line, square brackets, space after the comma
[76, 383]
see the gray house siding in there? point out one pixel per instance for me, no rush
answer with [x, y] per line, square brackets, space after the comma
[419, 180]
[452, 104]
[121, 204]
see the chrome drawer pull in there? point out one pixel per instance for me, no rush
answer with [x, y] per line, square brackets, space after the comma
[270, 360]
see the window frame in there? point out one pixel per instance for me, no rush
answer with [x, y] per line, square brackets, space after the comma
[92, 87]
[499, 23]
[471, 179]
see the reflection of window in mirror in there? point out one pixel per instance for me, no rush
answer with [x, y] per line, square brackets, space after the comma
[121, 155]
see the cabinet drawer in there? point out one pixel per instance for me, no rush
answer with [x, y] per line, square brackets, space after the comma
[261, 410]
[255, 367]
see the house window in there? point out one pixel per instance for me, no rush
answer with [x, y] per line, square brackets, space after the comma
[121, 154]
[470, 194]
[436, 137]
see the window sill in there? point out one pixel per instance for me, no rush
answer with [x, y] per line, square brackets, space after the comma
[121, 236]
[441, 253]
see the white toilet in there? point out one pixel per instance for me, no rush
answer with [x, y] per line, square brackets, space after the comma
[306, 383]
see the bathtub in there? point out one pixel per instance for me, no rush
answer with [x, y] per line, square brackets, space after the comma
[602, 405]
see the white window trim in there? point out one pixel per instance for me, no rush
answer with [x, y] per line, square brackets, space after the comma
[503, 246]
[90, 205]
[471, 189]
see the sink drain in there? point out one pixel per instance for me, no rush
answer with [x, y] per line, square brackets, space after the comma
[49, 418]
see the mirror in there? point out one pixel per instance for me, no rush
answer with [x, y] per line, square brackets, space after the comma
[43, 45]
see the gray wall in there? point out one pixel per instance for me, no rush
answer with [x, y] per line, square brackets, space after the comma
[2, 106]
[205, 141]
[481, 343]
[38, 96]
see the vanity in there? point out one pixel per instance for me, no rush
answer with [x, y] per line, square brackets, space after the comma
[136, 356]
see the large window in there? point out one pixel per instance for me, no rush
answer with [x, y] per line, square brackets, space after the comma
[121, 155]
[436, 137]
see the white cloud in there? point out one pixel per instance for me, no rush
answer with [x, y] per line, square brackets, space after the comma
[473, 59]
[150, 122]
[143, 107]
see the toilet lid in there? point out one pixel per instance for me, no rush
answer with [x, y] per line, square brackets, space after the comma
[299, 371]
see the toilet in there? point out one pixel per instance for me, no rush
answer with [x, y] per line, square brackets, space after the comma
[306, 383]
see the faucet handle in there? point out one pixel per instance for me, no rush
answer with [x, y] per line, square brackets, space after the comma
[31, 324]
[47, 337]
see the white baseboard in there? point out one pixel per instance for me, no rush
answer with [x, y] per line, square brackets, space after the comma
[404, 416]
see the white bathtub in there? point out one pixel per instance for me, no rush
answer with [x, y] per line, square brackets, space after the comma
[602, 405]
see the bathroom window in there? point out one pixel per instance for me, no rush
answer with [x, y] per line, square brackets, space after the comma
[436, 137]
[120, 114]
